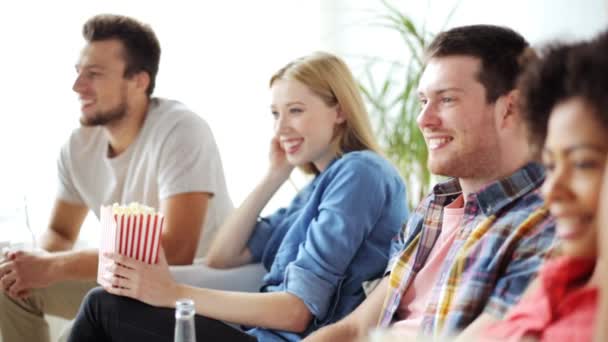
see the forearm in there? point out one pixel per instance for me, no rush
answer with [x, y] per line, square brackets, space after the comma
[64, 226]
[52, 241]
[475, 330]
[278, 310]
[184, 217]
[74, 265]
[340, 331]
[356, 325]
[231, 239]
[177, 253]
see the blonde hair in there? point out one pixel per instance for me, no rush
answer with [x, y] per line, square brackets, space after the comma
[328, 77]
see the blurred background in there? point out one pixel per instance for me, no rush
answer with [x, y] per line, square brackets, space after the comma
[217, 58]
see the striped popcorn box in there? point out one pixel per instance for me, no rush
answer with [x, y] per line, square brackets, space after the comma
[132, 231]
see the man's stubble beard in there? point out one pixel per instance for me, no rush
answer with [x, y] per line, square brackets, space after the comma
[471, 163]
[107, 117]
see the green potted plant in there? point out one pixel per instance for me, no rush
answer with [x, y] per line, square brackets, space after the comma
[393, 102]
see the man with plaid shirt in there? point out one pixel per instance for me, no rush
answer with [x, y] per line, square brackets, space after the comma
[473, 245]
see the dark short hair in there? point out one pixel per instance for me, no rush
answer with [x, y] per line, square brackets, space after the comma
[499, 49]
[141, 47]
[565, 71]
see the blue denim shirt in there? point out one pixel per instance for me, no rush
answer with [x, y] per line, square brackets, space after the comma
[334, 235]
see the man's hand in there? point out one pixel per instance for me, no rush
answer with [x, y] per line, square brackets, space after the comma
[21, 271]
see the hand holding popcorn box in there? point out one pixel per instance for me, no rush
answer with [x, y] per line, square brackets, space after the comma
[133, 231]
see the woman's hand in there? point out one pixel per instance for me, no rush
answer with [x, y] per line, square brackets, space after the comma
[151, 284]
[280, 168]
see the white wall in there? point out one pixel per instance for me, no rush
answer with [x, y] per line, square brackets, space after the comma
[217, 58]
[350, 27]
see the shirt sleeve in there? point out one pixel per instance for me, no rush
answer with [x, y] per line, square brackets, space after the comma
[397, 246]
[262, 233]
[404, 238]
[349, 208]
[189, 159]
[522, 268]
[66, 190]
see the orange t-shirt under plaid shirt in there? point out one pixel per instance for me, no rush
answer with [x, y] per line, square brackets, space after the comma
[502, 240]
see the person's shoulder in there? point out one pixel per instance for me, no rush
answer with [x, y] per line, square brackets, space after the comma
[171, 111]
[527, 209]
[366, 161]
[84, 138]
[173, 117]
[516, 195]
[366, 167]
[530, 179]
[535, 225]
[530, 202]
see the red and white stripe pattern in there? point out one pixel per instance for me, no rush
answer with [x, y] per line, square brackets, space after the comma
[134, 235]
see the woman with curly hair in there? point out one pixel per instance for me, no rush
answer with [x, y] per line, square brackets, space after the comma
[566, 105]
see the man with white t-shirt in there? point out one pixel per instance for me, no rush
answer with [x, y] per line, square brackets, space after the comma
[131, 148]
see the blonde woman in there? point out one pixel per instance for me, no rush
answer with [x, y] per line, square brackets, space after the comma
[334, 235]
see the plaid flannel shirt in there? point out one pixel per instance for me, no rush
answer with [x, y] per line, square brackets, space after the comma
[561, 309]
[504, 235]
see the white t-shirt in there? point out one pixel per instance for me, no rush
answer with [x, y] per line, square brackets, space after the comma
[174, 153]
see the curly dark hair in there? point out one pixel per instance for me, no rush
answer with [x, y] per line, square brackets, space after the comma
[141, 47]
[500, 50]
[565, 71]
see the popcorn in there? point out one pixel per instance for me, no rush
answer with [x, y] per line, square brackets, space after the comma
[133, 208]
[133, 231]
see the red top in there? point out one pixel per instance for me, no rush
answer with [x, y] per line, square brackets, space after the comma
[562, 308]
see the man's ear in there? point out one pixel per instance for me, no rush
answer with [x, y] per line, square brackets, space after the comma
[142, 80]
[507, 107]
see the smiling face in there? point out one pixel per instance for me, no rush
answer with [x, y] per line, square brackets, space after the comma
[457, 123]
[304, 124]
[101, 86]
[575, 156]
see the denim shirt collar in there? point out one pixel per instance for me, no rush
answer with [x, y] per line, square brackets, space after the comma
[497, 195]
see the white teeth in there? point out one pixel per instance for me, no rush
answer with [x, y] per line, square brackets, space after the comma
[288, 145]
[436, 142]
[291, 143]
[85, 102]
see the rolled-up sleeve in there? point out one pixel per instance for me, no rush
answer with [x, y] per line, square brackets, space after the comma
[350, 206]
